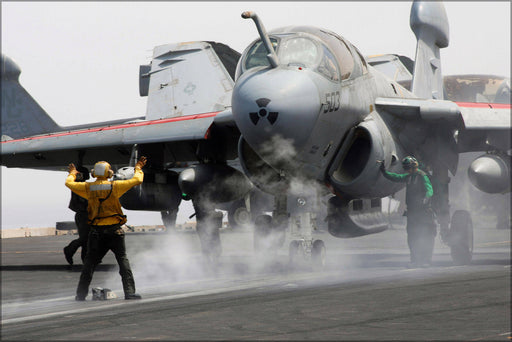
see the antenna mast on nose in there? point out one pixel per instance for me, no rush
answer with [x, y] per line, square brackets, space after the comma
[272, 57]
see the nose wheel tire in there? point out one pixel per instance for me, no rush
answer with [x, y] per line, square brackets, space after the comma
[297, 254]
[461, 238]
[318, 254]
[302, 256]
[238, 216]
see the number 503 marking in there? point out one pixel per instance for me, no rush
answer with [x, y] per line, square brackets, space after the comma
[332, 102]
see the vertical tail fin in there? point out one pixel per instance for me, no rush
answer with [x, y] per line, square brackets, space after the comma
[21, 114]
[188, 78]
[430, 25]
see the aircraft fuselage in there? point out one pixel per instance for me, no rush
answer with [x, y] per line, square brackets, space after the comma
[296, 115]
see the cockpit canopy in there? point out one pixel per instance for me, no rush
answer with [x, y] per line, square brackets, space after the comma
[302, 50]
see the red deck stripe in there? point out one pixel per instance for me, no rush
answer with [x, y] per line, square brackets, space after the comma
[483, 105]
[108, 128]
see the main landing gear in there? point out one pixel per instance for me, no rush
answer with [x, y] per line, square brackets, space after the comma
[459, 230]
[460, 238]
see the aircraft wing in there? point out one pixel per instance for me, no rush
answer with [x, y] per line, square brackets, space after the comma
[188, 86]
[480, 126]
[54, 151]
[484, 125]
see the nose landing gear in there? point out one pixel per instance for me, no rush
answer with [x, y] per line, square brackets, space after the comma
[297, 214]
[304, 250]
[307, 252]
[318, 254]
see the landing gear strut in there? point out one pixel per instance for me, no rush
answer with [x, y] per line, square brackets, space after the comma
[270, 231]
[303, 248]
[169, 219]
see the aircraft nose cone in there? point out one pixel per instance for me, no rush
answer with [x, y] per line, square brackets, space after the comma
[275, 105]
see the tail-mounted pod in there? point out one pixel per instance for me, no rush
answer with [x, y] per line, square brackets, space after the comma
[429, 20]
[10, 70]
[430, 25]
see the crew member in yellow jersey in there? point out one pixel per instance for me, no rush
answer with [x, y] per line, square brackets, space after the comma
[105, 219]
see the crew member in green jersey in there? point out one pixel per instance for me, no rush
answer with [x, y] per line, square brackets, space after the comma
[421, 225]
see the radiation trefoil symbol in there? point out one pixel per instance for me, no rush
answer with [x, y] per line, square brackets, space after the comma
[263, 112]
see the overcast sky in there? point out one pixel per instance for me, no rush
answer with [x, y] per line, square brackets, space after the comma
[80, 61]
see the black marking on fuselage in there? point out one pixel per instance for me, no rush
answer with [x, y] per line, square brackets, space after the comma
[263, 112]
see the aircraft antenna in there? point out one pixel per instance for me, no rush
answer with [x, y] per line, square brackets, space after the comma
[272, 57]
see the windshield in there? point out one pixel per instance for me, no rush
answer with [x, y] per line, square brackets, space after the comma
[257, 55]
[299, 51]
[296, 51]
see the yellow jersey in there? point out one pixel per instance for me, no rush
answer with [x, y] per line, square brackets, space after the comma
[103, 197]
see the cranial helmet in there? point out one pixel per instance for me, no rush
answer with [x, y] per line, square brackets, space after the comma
[102, 169]
[409, 162]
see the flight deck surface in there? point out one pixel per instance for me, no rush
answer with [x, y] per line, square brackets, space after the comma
[365, 291]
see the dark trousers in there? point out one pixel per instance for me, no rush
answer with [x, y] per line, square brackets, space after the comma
[101, 240]
[83, 235]
[209, 222]
[421, 233]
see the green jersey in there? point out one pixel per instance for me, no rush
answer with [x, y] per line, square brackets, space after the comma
[418, 188]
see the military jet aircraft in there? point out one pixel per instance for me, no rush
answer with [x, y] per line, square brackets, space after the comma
[299, 115]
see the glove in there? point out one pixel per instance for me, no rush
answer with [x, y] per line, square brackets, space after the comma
[381, 167]
[79, 177]
[72, 169]
[142, 161]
